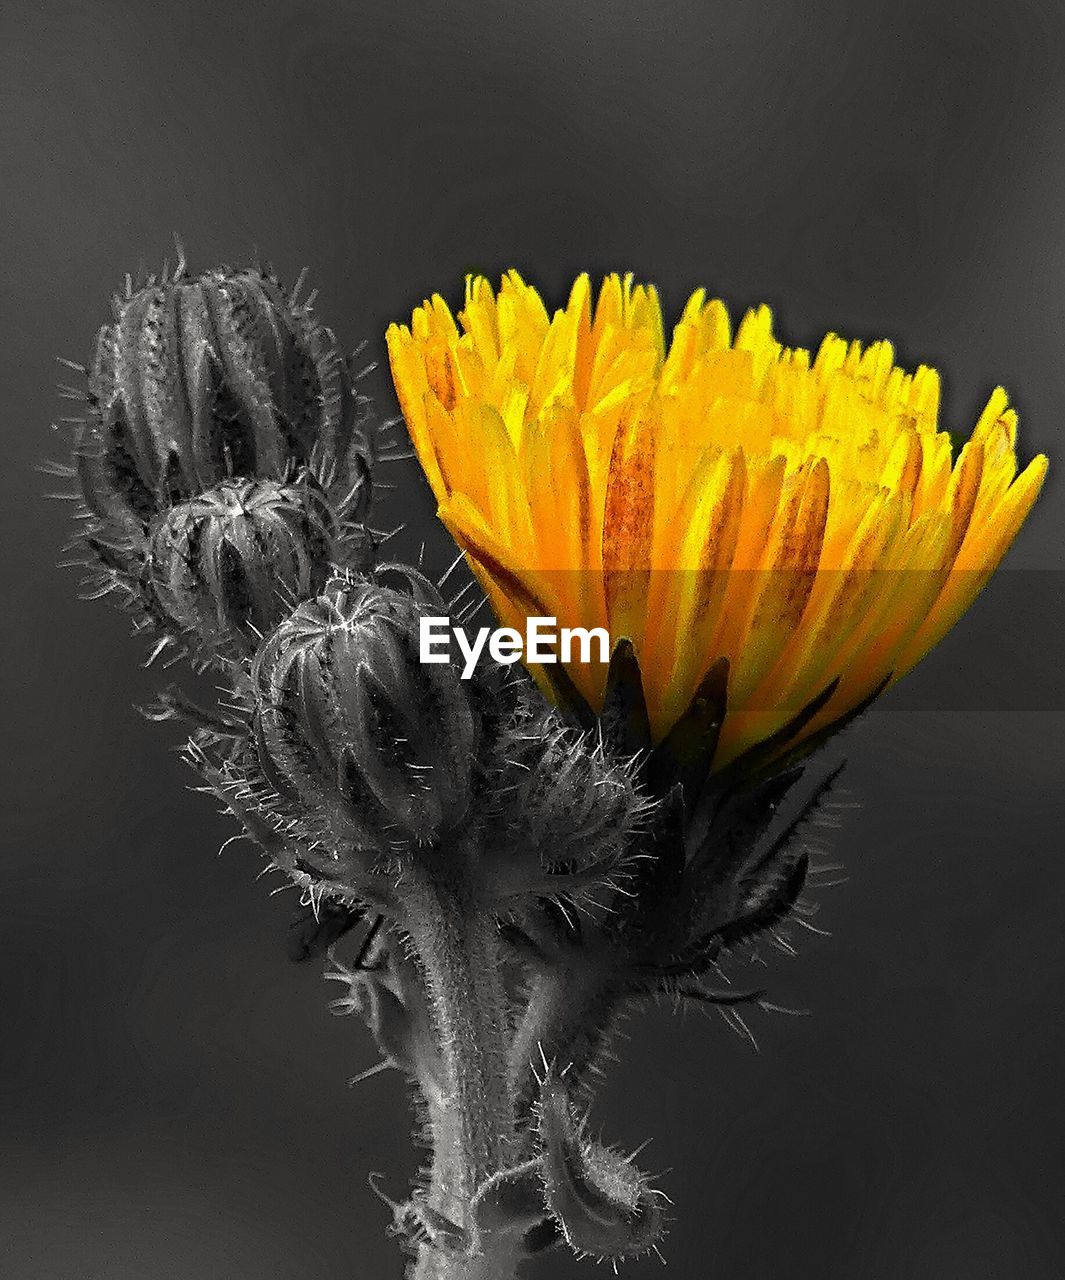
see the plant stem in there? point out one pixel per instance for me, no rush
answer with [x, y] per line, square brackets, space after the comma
[472, 1116]
[567, 1022]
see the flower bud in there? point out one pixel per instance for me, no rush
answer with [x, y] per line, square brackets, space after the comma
[572, 802]
[563, 814]
[354, 728]
[204, 389]
[204, 380]
[225, 568]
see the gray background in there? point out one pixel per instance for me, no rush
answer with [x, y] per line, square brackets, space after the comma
[172, 1090]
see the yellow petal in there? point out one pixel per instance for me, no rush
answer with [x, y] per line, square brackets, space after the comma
[801, 516]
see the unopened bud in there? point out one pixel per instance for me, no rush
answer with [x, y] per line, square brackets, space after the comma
[201, 390]
[204, 380]
[226, 567]
[352, 726]
[566, 813]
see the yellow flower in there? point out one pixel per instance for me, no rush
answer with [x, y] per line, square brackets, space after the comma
[722, 497]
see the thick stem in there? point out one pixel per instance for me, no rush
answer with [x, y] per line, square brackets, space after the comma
[471, 1114]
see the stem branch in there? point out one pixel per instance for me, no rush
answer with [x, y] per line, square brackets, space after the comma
[567, 1022]
[472, 1115]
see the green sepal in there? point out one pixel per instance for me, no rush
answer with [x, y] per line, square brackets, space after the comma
[765, 753]
[686, 753]
[624, 723]
[759, 896]
[721, 843]
[816, 740]
[657, 877]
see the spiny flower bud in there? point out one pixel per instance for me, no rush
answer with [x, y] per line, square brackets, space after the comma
[562, 812]
[225, 568]
[202, 380]
[353, 728]
[570, 799]
[200, 386]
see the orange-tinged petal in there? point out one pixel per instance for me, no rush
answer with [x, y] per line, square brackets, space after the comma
[628, 526]
[687, 595]
[786, 576]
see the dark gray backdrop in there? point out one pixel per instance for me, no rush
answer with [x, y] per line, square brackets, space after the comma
[172, 1096]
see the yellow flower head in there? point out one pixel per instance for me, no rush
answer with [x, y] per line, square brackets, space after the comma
[725, 497]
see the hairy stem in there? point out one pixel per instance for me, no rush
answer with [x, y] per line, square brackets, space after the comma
[471, 1113]
[567, 1022]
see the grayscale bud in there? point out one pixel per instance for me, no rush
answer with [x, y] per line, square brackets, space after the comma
[205, 389]
[353, 727]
